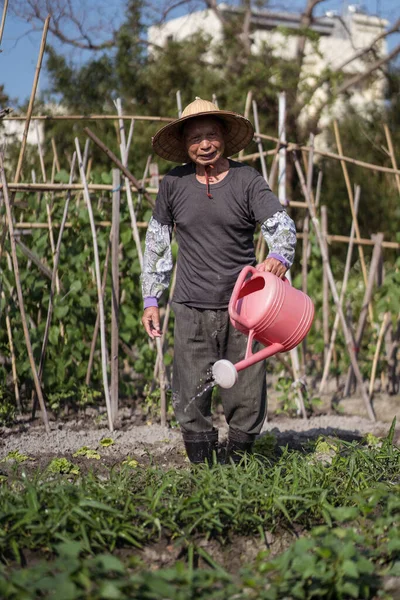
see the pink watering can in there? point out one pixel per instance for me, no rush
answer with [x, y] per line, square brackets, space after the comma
[267, 309]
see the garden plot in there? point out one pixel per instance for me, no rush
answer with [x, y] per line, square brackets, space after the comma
[321, 522]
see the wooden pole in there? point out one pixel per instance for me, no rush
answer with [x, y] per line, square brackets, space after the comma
[179, 103]
[362, 320]
[163, 398]
[165, 321]
[119, 164]
[385, 323]
[282, 149]
[3, 19]
[305, 248]
[27, 122]
[349, 341]
[98, 281]
[20, 296]
[342, 295]
[247, 106]
[353, 214]
[12, 352]
[97, 324]
[90, 118]
[258, 141]
[124, 159]
[32, 99]
[54, 275]
[115, 293]
[55, 153]
[325, 283]
[392, 154]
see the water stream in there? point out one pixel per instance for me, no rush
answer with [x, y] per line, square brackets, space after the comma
[208, 385]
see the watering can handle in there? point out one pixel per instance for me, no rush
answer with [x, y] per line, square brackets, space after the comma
[236, 290]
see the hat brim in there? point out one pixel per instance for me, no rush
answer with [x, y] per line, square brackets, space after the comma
[238, 133]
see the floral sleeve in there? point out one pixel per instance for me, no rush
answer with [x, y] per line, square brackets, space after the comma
[279, 232]
[157, 259]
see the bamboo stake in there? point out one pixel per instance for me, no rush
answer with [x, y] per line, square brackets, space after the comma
[89, 118]
[392, 154]
[282, 149]
[325, 284]
[33, 257]
[20, 296]
[145, 173]
[12, 352]
[306, 229]
[366, 302]
[391, 356]
[48, 209]
[115, 294]
[349, 341]
[353, 214]
[319, 187]
[32, 99]
[99, 290]
[247, 105]
[163, 398]
[166, 320]
[55, 271]
[97, 324]
[55, 153]
[27, 122]
[179, 103]
[342, 239]
[3, 20]
[258, 141]
[294, 357]
[124, 158]
[130, 135]
[63, 187]
[385, 323]
[335, 328]
[119, 164]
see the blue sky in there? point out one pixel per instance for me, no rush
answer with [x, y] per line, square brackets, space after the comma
[20, 46]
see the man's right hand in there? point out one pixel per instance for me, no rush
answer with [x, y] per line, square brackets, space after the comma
[151, 321]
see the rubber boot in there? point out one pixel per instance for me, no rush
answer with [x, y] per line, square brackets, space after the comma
[238, 445]
[201, 447]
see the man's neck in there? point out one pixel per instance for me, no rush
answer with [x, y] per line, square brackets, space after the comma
[220, 167]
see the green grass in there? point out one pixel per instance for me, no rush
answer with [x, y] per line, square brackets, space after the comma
[343, 497]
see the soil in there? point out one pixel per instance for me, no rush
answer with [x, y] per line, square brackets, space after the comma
[148, 442]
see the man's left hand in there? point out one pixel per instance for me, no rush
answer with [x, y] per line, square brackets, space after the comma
[273, 265]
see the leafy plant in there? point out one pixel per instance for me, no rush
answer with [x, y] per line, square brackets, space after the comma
[87, 453]
[62, 466]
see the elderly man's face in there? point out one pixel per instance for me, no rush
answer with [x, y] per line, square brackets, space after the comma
[204, 141]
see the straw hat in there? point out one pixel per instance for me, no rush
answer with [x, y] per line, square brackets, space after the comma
[238, 133]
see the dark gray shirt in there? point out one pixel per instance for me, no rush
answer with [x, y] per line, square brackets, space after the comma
[215, 236]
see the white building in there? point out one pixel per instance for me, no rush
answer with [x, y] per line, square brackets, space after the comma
[340, 38]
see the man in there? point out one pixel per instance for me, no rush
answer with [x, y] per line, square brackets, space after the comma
[214, 204]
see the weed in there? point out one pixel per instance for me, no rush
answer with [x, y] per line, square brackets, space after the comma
[87, 453]
[62, 466]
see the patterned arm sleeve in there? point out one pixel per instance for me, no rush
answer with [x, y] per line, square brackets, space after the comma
[279, 232]
[157, 259]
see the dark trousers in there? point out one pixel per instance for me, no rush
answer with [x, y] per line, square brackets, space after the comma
[201, 338]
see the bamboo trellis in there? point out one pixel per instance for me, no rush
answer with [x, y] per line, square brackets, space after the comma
[132, 186]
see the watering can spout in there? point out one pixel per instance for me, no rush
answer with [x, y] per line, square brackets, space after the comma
[225, 373]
